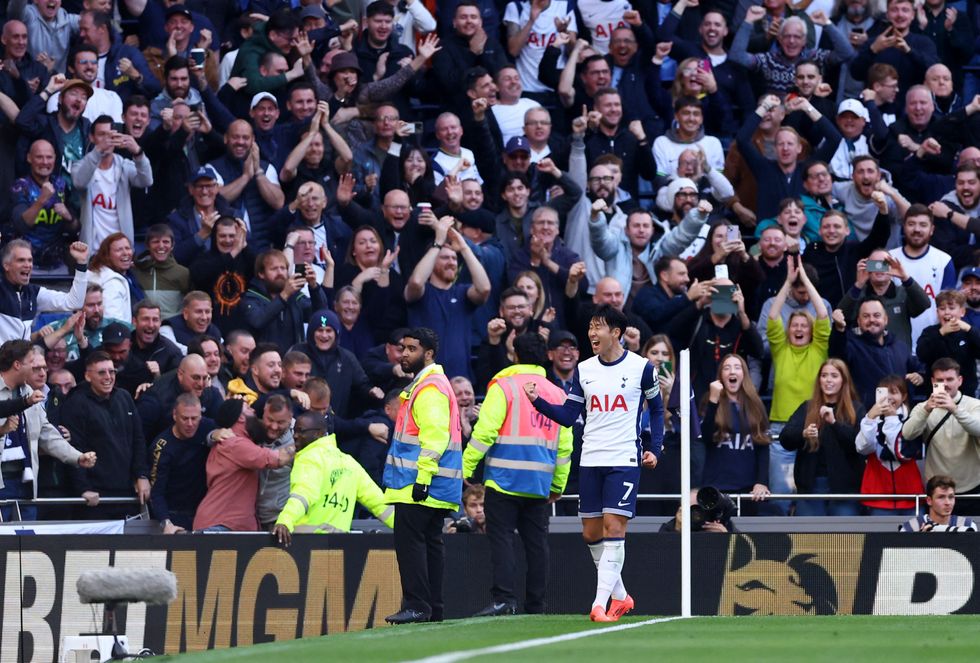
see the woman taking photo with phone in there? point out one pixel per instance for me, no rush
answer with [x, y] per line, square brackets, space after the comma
[891, 466]
[823, 430]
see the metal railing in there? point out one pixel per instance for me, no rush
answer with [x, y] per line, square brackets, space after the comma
[67, 501]
[919, 499]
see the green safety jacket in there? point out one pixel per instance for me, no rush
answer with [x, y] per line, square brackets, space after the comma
[324, 487]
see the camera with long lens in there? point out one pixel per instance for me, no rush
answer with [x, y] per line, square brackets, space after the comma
[712, 505]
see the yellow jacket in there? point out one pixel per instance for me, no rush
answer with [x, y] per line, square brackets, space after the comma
[324, 486]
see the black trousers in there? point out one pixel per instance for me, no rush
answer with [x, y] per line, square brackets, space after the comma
[529, 516]
[421, 557]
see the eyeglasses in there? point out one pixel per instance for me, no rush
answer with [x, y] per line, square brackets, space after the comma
[605, 179]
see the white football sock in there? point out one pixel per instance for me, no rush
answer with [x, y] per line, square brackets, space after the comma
[610, 566]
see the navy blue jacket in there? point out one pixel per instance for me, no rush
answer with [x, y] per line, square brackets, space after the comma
[893, 357]
[178, 476]
[272, 319]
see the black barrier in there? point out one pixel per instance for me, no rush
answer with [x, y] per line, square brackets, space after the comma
[239, 590]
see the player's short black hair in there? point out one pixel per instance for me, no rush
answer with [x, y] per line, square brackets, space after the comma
[613, 317]
[530, 348]
[427, 338]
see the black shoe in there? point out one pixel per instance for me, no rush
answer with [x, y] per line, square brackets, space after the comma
[407, 616]
[498, 609]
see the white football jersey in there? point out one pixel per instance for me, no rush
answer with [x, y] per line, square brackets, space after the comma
[934, 272]
[613, 395]
[543, 33]
[600, 18]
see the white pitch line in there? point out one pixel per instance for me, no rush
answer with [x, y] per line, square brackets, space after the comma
[453, 657]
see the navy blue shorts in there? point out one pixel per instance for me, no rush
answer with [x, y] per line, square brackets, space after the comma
[607, 490]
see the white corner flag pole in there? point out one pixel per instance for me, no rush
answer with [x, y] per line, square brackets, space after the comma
[685, 402]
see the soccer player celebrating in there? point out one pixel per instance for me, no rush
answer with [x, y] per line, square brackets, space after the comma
[610, 388]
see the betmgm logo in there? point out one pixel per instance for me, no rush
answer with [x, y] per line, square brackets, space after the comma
[819, 574]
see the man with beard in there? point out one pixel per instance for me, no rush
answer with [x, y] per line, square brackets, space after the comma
[67, 129]
[970, 287]
[834, 256]
[599, 186]
[931, 267]
[176, 86]
[275, 306]
[349, 384]
[515, 318]
[193, 320]
[273, 430]
[88, 330]
[681, 198]
[178, 458]
[102, 418]
[40, 213]
[84, 66]
[156, 403]
[382, 363]
[435, 297]
[123, 68]
[711, 183]
[857, 198]
[159, 354]
[659, 302]
[955, 215]
[296, 370]
[903, 301]
[873, 348]
[629, 142]
[224, 272]
[249, 183]
[423, 475]
[239, 345]
[233, 473]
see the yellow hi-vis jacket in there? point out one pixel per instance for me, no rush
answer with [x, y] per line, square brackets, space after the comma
[521, 457]
[325, 485]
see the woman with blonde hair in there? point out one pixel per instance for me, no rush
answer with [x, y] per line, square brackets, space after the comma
[735, 434]
[531, 284]
[822, 430]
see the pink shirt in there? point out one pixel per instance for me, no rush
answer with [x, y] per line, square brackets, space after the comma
[233, 484]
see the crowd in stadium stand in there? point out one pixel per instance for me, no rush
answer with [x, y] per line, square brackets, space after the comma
[259, 198]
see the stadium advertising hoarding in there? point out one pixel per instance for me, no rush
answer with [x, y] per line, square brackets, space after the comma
[238, 590]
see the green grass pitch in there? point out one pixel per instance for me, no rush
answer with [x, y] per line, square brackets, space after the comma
[867, 639]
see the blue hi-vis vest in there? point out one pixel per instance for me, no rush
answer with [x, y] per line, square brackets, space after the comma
[523, 458]
[401, 466]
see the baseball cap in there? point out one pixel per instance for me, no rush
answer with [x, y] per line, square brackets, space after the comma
[854, 106]
[115, 333]
[260, 96]
[313, 11]
[77, 82]
[345, 60]
[174, 10]
[517, 144]
[559, 337]
[203, 173]
[970, 272]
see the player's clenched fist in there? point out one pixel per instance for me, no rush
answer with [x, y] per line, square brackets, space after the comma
[531, 390]
[649, 460]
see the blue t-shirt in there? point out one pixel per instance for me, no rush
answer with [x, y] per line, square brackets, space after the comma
[447, 313]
